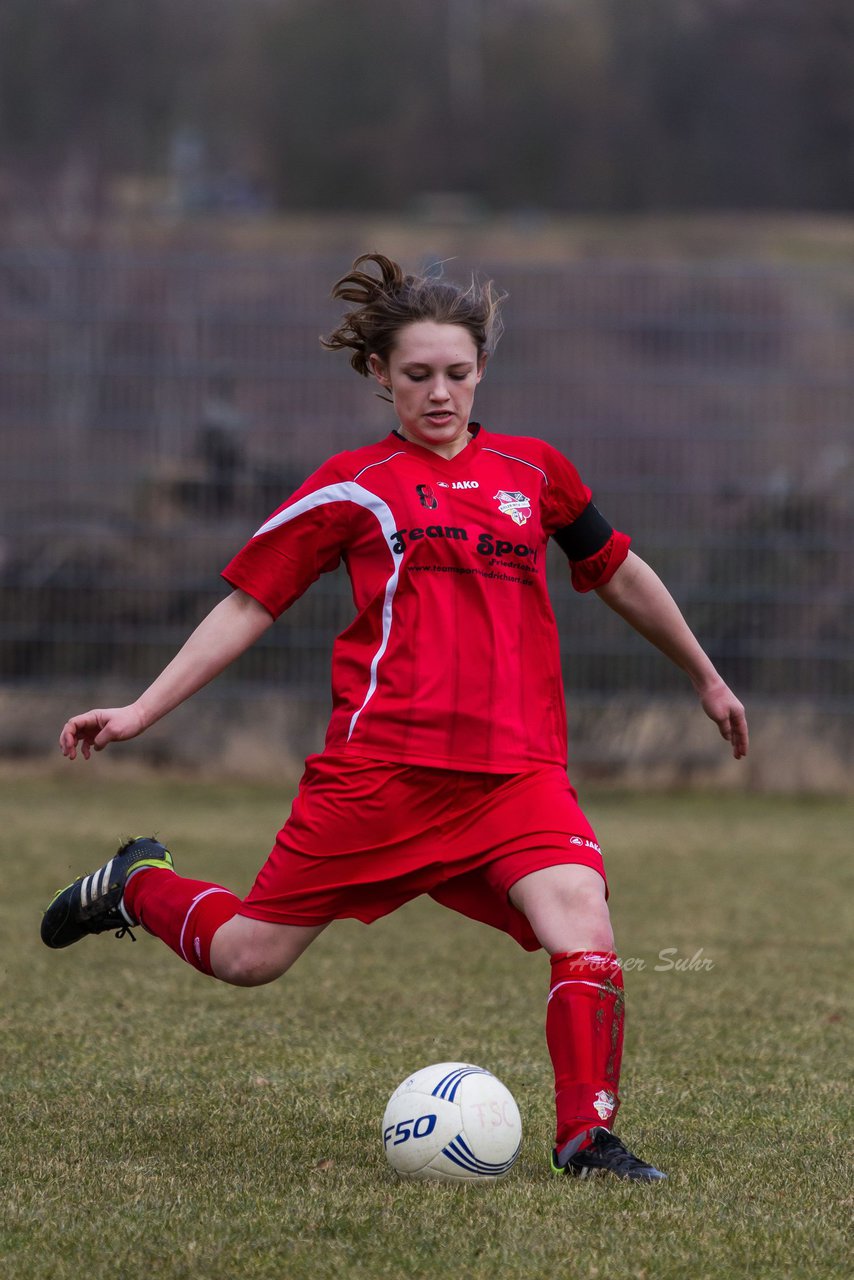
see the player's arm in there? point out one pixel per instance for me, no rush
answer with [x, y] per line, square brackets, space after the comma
[637, 594]
[227, 631]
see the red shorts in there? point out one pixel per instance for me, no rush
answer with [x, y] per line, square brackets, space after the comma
[365, 836]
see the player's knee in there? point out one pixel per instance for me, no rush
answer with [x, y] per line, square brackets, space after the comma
[247, 966]
[250, 953]
[587, 901]
[585, 919]
[597, 928]
[598, 936]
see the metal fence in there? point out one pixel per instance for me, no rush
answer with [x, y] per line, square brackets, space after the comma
[156, 407]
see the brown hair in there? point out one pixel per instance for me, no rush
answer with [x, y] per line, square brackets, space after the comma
[387, 304]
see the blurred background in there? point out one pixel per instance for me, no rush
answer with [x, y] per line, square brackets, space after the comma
[665, 190]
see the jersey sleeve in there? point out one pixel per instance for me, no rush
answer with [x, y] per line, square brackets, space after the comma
[594, 549]
[304, 538]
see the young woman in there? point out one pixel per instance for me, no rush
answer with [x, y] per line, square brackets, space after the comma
[444, 769]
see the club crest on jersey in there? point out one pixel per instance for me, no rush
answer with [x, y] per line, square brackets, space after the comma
[514, 505]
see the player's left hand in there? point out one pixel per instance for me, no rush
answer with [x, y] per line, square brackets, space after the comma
[721, 705]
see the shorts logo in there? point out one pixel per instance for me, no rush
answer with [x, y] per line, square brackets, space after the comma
[604, 1103]
[514, 505]
[427, 496]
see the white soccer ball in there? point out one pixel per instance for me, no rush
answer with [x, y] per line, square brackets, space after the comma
[452, 1122]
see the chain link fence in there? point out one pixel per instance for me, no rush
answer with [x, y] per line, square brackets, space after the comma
[156, 407]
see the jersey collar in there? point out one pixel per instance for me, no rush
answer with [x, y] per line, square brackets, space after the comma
[463, 458]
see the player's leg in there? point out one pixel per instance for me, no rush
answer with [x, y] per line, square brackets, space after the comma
[198, 920]
[567, 908]
[248, 953]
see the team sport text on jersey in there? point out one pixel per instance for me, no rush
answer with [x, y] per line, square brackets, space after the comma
[452, 659]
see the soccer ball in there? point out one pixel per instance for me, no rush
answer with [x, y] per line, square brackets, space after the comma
[452, 1122]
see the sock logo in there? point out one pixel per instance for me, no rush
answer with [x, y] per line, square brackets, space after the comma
[604, 1103]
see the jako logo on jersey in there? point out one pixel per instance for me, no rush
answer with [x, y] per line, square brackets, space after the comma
[588, 844]
[514, 505]
[427, 496]
[458, 484]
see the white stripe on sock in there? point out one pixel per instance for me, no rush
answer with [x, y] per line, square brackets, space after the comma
[193, 904]
[597, 986]
[127, 915]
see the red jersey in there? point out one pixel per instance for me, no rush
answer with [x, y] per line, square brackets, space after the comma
[452, 659]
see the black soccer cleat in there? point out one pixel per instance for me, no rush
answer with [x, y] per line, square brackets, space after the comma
[93, 904]
[606, 1154]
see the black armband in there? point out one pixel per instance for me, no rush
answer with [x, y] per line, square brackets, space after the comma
[586, 535]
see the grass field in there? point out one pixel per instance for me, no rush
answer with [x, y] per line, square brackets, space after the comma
[157, 1123]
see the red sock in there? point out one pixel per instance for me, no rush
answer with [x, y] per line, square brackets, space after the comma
[584, 1032]
[185, 914]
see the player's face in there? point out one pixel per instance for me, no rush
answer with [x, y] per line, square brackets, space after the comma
[432, 372]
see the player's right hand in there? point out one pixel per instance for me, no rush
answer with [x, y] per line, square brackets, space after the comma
[95, 729]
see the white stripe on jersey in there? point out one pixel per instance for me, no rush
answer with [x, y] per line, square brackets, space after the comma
[350, 491]
[398, 454]
[513, 458]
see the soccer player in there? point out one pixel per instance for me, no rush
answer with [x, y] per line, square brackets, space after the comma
[444, 768]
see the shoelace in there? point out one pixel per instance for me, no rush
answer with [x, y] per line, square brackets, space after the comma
[126, 929]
